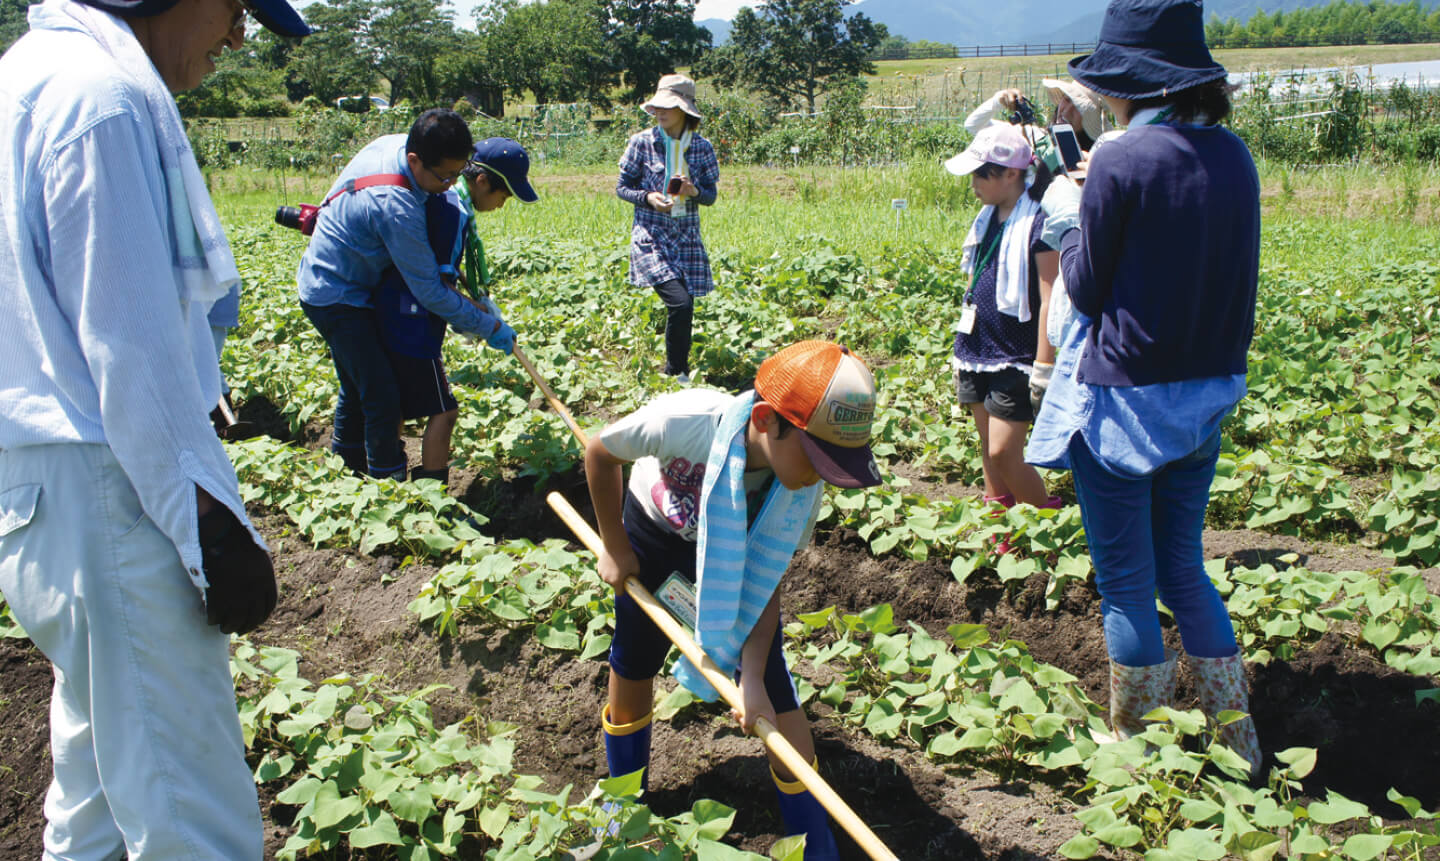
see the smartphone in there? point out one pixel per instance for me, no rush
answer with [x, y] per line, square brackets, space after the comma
[1064, 137]
[673, 188]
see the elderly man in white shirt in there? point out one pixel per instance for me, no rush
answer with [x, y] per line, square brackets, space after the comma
[124, 548]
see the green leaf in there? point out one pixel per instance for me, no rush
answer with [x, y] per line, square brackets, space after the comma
[713, 818]
[1364, 847]
[1080, 846]
[1337, 808]
[381, 832]
[968, 636]
[330, 809]
[790, 848]
[1300, 759]
[1258, 846]
[413, 805]
[1120, 834]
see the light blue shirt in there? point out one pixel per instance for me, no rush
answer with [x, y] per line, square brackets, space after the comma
[361, 233]
[1130, 430]
[98, 347]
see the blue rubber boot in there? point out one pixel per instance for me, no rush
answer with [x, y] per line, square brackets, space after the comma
[627, 745]
[627, 750]
[802, 814]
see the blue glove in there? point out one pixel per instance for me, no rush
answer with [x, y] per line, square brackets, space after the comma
[1062, 210]
[502, 339]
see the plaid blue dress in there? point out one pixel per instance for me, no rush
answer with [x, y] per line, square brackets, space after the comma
[664, 248]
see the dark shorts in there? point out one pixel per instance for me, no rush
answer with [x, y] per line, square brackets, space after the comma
[638, 649]
[1005, 393]
[424, 388]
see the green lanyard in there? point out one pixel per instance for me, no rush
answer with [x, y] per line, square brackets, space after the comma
[986, 255]
[474, 248]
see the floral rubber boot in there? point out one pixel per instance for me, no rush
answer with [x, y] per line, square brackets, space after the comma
[1137, 691]
[1222, 687]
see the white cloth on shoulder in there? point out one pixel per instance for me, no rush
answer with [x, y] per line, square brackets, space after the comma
[1012, 277]
[738, 569]
[204, 265]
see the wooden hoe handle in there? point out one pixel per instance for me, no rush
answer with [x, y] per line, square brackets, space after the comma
[726, 686]
[555, 404]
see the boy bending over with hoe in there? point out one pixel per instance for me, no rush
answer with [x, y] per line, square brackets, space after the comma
[723, 491]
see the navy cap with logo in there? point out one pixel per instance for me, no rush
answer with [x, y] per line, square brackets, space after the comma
[508, 160]
[277, 16]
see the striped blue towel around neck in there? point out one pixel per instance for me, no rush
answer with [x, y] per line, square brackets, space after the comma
[739, 569]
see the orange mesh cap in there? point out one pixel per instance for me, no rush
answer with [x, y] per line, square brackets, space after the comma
[826, 391]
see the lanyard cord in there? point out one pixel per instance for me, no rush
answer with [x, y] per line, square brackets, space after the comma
[987, 254]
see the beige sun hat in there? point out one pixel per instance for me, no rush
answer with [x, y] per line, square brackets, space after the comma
[1091, 108]
[674, 91]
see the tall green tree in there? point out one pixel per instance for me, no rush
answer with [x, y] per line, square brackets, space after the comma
[553, 50]
[408, 36]
[337, 59]
[650, 38]
[795, 50]
[12, 22]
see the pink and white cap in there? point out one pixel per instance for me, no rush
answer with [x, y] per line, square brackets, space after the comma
[995, 144]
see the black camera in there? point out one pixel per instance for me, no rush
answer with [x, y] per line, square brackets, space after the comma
[301, 218]
[1024, 113]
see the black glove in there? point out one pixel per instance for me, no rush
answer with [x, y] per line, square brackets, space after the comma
[242, 590]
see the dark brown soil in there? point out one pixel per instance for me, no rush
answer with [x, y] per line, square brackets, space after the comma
[347, 613]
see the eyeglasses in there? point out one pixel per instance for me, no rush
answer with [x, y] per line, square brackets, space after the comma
[238, 19]
[444, 180]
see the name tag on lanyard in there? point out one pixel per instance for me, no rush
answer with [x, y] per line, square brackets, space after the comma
[967, 319]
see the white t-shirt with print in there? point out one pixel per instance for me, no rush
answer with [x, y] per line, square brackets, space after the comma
[669, 441]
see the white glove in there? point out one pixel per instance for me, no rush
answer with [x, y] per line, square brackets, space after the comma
[1062, 210]
[1040, 374]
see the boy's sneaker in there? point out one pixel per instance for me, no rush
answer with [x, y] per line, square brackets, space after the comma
[682, 379]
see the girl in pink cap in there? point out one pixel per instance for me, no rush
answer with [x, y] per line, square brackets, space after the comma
[999, 343]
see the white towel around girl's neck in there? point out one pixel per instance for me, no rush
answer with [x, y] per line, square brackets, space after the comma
[1012, 275]
[675, 165]
[204, 265]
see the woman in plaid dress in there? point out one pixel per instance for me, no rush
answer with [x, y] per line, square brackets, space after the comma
[668, 173]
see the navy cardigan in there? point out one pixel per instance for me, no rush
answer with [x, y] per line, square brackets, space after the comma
[1168, 258]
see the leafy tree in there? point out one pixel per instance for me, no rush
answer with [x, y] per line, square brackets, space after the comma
[12, 22]
[337, 59]
[556, 50]
[649, 38]
[893, 47]
[408, 36]
[795, 50]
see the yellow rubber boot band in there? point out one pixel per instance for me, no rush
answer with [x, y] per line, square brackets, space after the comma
[792, 787]
[623, 728]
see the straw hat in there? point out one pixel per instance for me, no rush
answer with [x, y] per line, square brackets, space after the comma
[674, 91]
[1091, 109]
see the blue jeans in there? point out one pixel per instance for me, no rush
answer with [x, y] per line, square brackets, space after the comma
[367, 413]
[1144, 536]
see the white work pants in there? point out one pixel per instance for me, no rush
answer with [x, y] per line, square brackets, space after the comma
[149, 759]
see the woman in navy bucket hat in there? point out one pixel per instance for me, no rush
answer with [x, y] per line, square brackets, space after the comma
[1163, 273]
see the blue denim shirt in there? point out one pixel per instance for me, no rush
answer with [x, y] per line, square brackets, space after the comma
[96, 345]
[359, 234]
[1131, 430]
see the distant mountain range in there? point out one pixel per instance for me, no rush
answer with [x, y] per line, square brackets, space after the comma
[984, 22]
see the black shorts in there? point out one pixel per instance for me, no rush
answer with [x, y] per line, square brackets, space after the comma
[424, 388]
[639, 648]
[1005, 393]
